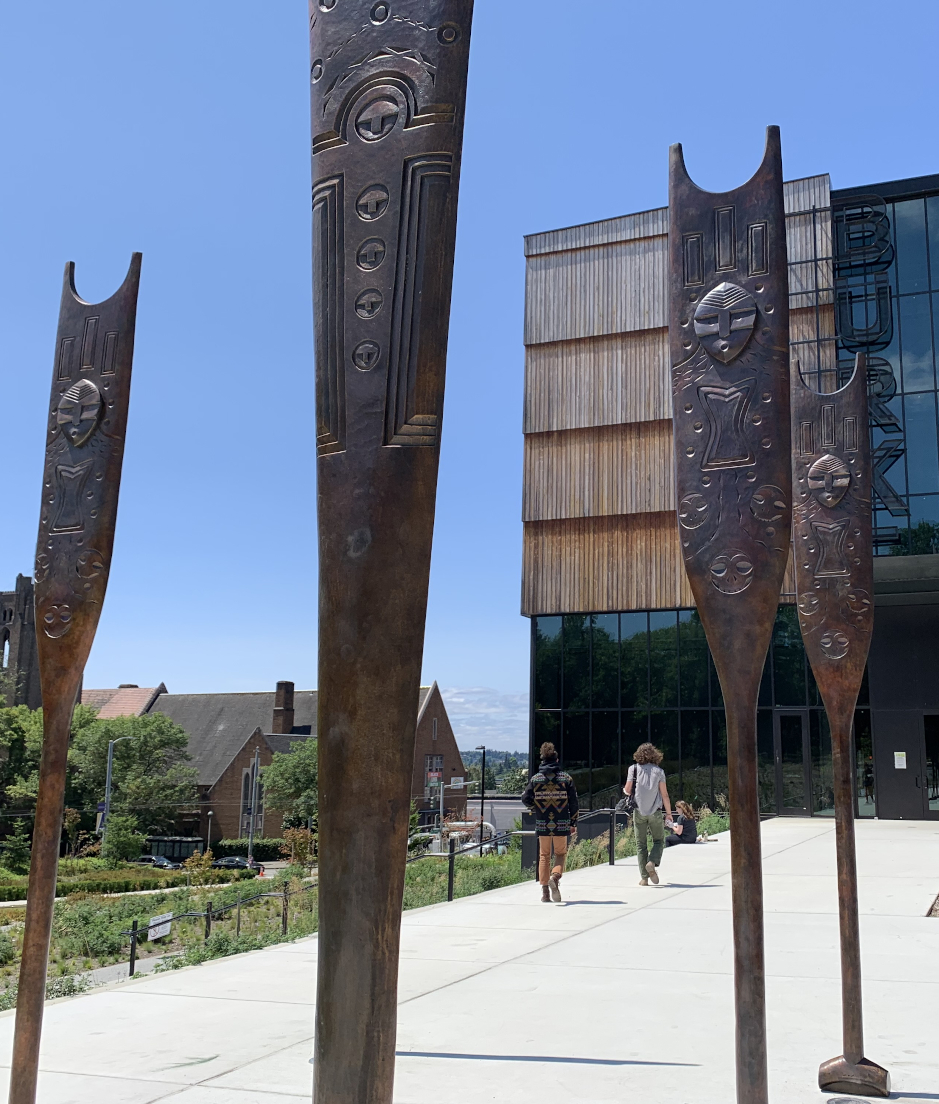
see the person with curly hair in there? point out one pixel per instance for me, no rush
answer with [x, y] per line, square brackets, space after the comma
[552, 797]
[646, 780]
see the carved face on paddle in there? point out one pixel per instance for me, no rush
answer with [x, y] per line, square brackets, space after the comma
[724, 321]
[78, 412]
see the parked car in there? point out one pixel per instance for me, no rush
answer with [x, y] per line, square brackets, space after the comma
[238, 862]
[159, 861]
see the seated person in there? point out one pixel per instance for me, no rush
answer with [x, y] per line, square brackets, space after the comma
[684, 830]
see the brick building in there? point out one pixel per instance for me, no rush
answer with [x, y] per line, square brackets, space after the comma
[225, 729]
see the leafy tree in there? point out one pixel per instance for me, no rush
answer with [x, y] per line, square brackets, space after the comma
[298, 846]
[71, 823]
[20, 748]
[921, 540]
[123, 839]
[199, 867]
[473, 774]
[15, 850]
[514, 781]
[291, 781]
[151, 778]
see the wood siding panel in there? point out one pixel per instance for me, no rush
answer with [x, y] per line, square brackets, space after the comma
[606, 564]
[603, 563]
[597, 381]
[622, 469]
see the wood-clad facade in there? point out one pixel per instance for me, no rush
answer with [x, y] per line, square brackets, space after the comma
[600, 532]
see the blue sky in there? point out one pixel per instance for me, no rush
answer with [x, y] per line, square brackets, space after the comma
[181, 129]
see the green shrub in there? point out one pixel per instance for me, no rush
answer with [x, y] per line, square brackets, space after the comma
[15, 849]
[7, 949]
[265, 850]
[123, 839]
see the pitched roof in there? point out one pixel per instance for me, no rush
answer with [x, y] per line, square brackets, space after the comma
[124, 701]
[219, 724]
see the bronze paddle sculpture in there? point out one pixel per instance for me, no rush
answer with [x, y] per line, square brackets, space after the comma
[87, 421]
[729, 347]
[388, 94]
[833, 557]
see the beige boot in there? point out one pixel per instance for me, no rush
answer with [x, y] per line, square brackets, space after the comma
[652, 872]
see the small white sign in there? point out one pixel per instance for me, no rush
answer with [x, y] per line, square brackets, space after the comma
[899, 760]
[456, 781]
[160, 925]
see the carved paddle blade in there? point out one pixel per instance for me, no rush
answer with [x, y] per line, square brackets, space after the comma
[388, 93]
[729, 345]
[87, 420]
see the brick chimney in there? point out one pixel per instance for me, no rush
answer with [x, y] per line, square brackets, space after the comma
[283, 708]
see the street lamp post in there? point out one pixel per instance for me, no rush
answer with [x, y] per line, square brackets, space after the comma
[482, 797]
[107, 786]
[208, 833]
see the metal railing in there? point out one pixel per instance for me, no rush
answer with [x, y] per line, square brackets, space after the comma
[452, 853]
[210, 913]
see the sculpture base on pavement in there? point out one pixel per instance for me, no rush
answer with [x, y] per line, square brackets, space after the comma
[865, 1077]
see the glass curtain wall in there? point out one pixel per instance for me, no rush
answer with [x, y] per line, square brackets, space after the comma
[604, 683]
[887, 291]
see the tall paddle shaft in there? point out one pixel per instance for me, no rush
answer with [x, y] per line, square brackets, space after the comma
[80, 486]
[388, 87]
[729, 349]
[833, 558]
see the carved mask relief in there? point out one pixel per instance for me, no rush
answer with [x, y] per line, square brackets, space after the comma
[829, 479]
[78, 411]
[732, 572]
[724, 321]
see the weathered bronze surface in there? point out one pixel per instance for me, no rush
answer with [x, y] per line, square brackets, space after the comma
[388, 94]
[834, 568]
[729, 347]
[84, 451]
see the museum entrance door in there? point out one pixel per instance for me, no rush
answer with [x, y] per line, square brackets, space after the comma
[931, 765]
[792, 752]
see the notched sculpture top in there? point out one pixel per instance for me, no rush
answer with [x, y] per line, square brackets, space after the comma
[388, 86]
[729, 346]
[84, 451]
[832, 531]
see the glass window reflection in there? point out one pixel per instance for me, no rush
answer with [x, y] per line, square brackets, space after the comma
[547, 662]
[693, 653]
[576, 661]
[910, 227]
[788, 658]
[916, 343]
[634, 660]
[663, 658]
[605, 661]
[922, 458]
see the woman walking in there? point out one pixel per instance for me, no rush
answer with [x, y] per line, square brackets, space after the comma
[552, 796]
[646, 780]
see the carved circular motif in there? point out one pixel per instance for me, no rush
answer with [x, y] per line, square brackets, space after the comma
[859, 604]
[56, 620]
[448, 34]
[377, 119]
[380, 13]
[327, 5]
[90, 563]
[768, 503]
[693, 510]
[732, 571]
[368, 303]
[43, 566]
[372, 203]
[365, 355]
[370, 254]
[316, 70]
[834, 644]
[808, 604]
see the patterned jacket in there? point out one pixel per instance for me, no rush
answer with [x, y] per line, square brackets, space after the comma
[552, 797]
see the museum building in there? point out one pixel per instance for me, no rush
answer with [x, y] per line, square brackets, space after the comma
[618, 654]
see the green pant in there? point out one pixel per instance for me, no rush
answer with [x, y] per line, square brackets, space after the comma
[642, 826]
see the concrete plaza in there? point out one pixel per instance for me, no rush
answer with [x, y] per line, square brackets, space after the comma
[622, 993]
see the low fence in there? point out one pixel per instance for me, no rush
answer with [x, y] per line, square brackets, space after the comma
[211, 913]
[454, 851]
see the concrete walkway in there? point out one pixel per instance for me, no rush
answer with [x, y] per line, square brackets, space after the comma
[625, 993]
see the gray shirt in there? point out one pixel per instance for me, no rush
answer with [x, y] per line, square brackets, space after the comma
[646, 778]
